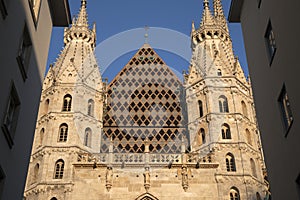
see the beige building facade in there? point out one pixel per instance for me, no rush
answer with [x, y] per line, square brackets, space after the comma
[270, 34]
[25, 31]
[147, 135]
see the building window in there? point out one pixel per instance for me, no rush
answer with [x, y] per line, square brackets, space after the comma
[42, 132]
[36, 173]
[219, 72]
[200, 105]
[226, 134]
[11, 116]
[63, 133]
[53, 198]
[244, 109]
[234, 194]
[46, 106]
[34, 8]
[270, 41]
[253, 167]
[3, 8]
[2, 180]
[286, 110]
[259, 3]
[90, 107]
[248, 137]
[230, 163]
[202, 131]
[223, 104]
[67, 103]
[88, 137]
[24, 53]
[258, 197]
[59, 169]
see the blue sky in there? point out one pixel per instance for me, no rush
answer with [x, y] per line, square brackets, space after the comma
[116, 17]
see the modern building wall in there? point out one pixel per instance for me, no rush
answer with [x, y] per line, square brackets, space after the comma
[273, 66]
[25, 31]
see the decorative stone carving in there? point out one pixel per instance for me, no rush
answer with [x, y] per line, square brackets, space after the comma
[109, 178]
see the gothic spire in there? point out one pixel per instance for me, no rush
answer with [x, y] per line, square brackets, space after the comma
[219, 14]
[82, 16]
[207, 18]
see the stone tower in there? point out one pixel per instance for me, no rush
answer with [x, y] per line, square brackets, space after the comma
[224, 125]
[140, 137]
[69, 121]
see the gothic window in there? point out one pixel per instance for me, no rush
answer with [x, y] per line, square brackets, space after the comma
[258, 197]
[270, 41]
[244, 109]
[248, 137]
[24, 53]
[90, 107]
[200, 105]
[63, 133]
[219, 72]
[286, 111]
[11, 114]
[67, 103]
[87, 137]
[59, 169]
[223, 104]
[226, 134]
[230, 163]
[253, 167]
[46, 106]
[42, 132]
[36, 173]
[202, 131]
[234, 194]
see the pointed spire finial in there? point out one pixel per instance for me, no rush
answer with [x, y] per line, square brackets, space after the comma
[207, 17]
[193, 26]
[83, 3]
[82, 16]
[146, 34]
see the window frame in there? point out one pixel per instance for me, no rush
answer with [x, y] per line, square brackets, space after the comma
[24, 52]
[59, 170]
[285, 110]
[271, 48]
[230, 163]
[63, 135]
[200, 106]
[10, 119]
[3, 9]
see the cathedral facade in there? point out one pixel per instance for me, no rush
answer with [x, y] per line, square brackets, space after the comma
[147, 135]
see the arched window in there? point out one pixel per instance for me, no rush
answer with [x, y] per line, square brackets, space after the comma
[226, 134]
[200, 105]
[234, 194]
[223, 104]
[219, 72]
[63, 133]
[88, 137]
[59, 169]
[230, 163]
[67, 103]
[244, 109]
[91, 107]
[258, 197]
[248, 137]
[253, 167]
[36, 172]
[53, 198]
[46, 106]
[42, 132]
[202, 131]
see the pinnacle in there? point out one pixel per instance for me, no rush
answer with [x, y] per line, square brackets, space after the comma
[207, 18]
[82, 16]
